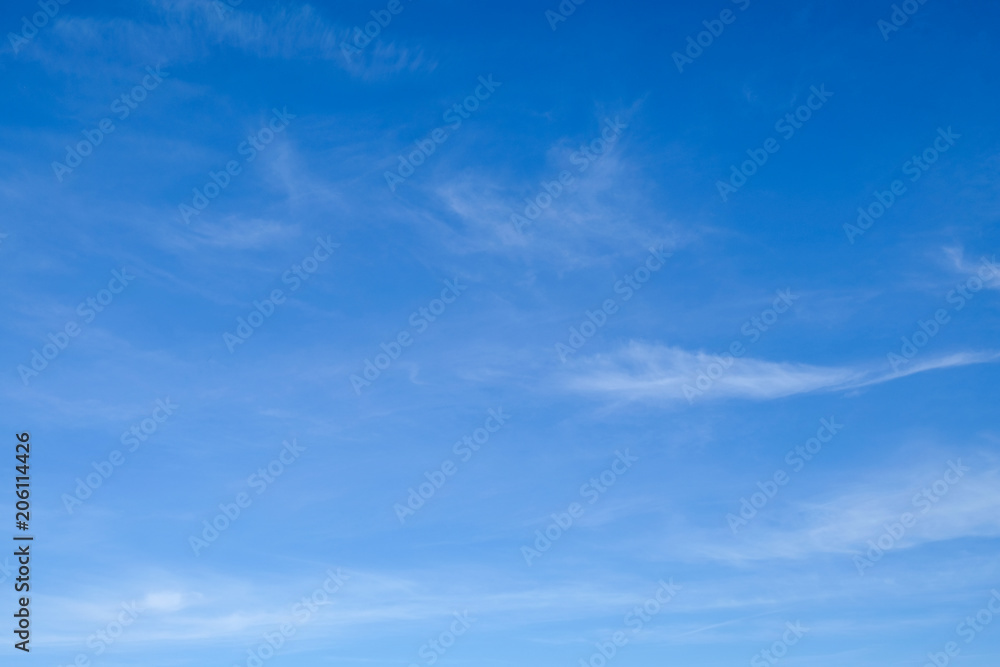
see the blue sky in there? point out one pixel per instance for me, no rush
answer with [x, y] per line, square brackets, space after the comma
[504, 339]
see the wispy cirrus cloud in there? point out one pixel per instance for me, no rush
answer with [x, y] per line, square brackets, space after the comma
[604, 210]
[985, 268]
[642, 371]
[189, 30]
[843, 523]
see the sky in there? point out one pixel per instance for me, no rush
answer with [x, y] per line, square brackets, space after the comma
[437, 333]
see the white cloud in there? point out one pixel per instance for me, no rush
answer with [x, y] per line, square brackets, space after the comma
[985, 268]
[189, 30]
[657, 372]
[844, 523]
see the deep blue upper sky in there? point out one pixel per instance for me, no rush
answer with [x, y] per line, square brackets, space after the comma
[561, 256]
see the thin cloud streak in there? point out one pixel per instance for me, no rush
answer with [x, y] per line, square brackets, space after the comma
[642, 371]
